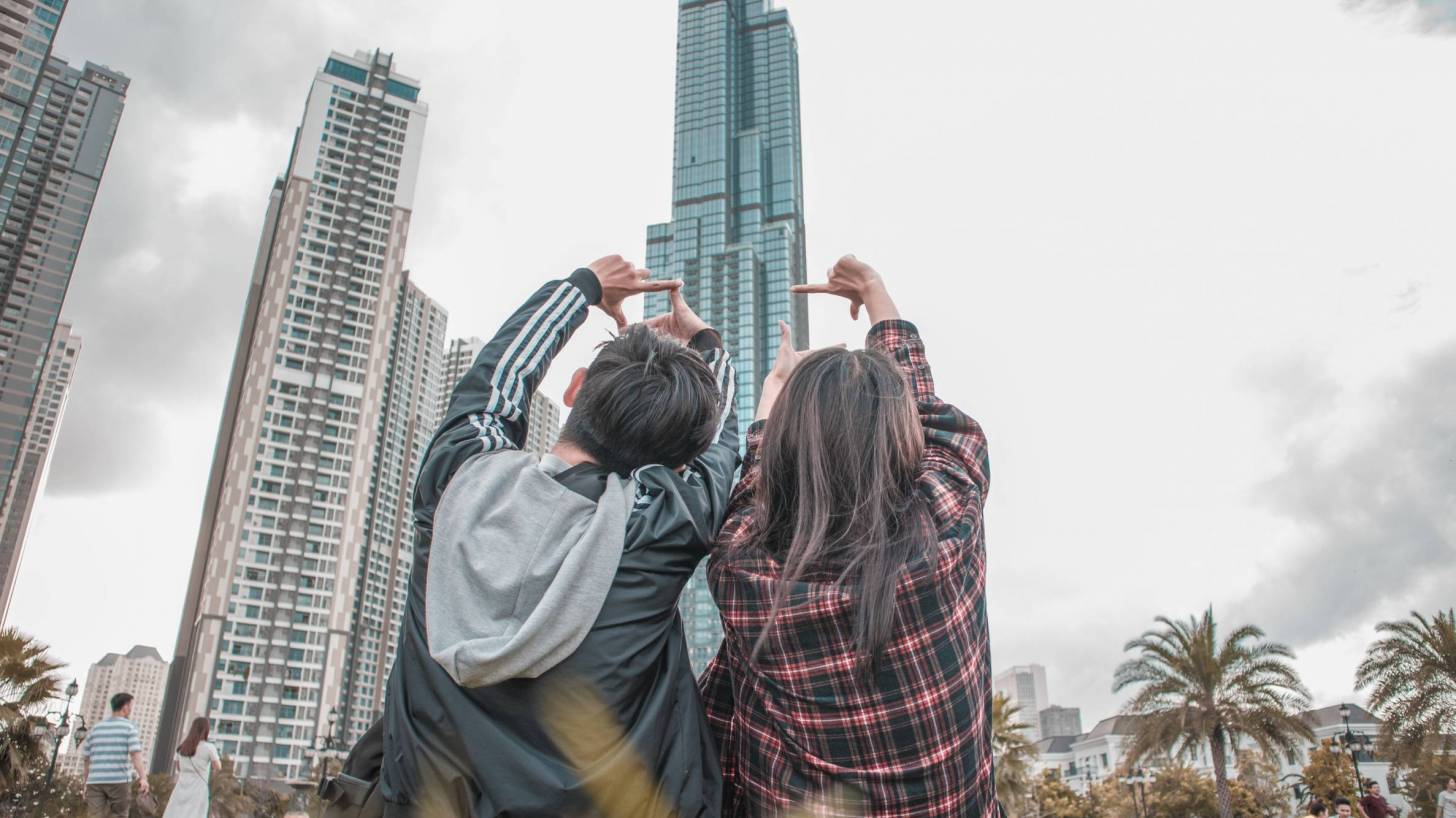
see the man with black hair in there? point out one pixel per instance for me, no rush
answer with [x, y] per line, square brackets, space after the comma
[1373, 804]
[535, 581]
[1343, 807]
[113, 751]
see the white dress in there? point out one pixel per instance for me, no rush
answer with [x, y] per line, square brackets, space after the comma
[190, 797]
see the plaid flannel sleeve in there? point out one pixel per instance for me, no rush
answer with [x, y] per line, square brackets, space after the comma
[956, 468]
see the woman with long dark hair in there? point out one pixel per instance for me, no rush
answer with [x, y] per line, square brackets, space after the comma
[193, 765]
[850, 576]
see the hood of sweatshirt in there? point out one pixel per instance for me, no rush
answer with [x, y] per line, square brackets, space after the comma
[519, 567]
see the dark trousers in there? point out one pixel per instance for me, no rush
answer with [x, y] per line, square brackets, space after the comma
[108, 800]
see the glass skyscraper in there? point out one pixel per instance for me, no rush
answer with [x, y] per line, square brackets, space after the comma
[57, 124]
[737, 232]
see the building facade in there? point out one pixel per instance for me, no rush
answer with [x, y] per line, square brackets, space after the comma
[1087, 759]
[409, 416]
[33, 463]
[53, 162]
[1025, 687]
[269, 617]
[142, 672]
[736, 236]
[1060, 721]
[27, 31]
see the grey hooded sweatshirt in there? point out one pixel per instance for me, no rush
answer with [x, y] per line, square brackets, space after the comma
[521, 567]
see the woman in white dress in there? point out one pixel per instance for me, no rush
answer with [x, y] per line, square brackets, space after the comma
[195, 760]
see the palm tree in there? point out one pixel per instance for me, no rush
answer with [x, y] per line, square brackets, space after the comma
[27, 681]
[1411, 673]
[1194, 689]
[1012, 753]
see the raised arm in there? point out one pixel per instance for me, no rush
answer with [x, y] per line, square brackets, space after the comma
[955, 462]
[488, 408]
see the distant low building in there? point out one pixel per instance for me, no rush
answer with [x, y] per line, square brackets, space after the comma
[1060, 721]
[1084, 760]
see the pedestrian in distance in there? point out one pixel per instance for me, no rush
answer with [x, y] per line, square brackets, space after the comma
[1446, 800]
[1343, 807]
[1317, 809]
[850, 577]
[1373, 804]
[113, 753]
[193, 765]
[560, 576]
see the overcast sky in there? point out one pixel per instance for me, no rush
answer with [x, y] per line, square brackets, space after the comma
[1191, 265]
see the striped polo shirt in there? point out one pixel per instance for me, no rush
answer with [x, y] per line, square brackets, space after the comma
[109, 745]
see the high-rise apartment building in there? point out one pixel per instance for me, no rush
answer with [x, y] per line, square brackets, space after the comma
[543, 419]
[288, 532]
[142, 672]
[34, 460]
[544, 425]
[410, 413]
[1025, 687]
[736, 237]
[57, 134]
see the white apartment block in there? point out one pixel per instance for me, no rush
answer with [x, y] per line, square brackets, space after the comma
[142, 672]
[289, 533]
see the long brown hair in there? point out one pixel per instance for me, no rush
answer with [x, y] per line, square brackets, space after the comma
[836, 498]
[196, 735]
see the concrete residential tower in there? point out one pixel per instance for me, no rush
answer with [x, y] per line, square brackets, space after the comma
[409, 416]
[142, 672]
[57, 134]
[319, 414]
[736, 237]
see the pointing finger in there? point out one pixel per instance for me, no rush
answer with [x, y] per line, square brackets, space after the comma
[810, 288]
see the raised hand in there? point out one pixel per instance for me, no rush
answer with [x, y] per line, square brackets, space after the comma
[621, 279]
[787, 357]
[681, 322]
[858, 282]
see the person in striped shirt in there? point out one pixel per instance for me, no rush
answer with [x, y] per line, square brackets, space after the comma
[113, 751]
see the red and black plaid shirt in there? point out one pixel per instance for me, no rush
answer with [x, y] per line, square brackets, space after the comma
[800, 720]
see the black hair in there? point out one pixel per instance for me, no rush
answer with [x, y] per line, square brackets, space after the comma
[120, 700]
[1317, 807]
[646, 400]
[1342, 801]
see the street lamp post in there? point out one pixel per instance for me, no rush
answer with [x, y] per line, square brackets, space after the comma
[328, 746]
[1354, 743]
[62, 730]
[1137, 782]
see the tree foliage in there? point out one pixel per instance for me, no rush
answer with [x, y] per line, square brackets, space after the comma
[1194, 690]
[28, 680]
[1420, 782]
[1013, 754]
[1411, 673]
[1052, 798]
[1330, 773]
